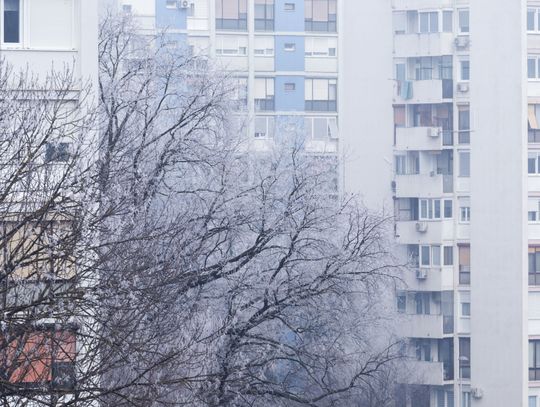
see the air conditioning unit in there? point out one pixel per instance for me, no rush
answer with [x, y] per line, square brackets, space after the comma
[477, 393]
[432, 173]
[462, 42]
[183, 4]
[463, 87]
[432, 132]
[421, 227]
[421, 274]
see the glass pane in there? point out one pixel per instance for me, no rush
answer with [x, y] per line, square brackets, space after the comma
[434, 22]
[437, 209]
[530, 20]
[424, 254]
[11, 21]
[424, 22]
[464, 21]
[436, 255]
[447, 21]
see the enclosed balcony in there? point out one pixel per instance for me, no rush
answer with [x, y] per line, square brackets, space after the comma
[425, 44]
[422, 372]
[424, 91]
[422, 326]
[424, 185]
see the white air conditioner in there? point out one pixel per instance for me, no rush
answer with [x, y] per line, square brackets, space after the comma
[421, 274]
[477, 393]
[463, 87]
[421, 227]
[433, 132]
[462, 42]
[183, 4]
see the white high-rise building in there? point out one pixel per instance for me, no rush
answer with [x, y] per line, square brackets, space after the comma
[451, 160]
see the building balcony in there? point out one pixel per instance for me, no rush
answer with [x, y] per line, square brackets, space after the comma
[425, 91]
[428, 278]
[416, 45]
[430, 185]
[426, 373]
[421, 326]
[421, 4]
[321, 64]
[423, 232]
[419, 138]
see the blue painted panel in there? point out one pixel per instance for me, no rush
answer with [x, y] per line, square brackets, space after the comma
[289, 100]
[170, 18]
[289, 20]
[290, 60]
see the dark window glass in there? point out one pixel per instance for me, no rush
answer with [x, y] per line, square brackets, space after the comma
[11, 21]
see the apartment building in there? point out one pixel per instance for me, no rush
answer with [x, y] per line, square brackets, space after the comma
[464, 307]
[38, 37]
[284, 56]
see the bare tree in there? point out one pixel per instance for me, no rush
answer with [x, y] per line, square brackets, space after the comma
[149, 259]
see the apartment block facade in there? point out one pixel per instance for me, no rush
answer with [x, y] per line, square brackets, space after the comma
[38, 38]
[284, 55]
[465, 307]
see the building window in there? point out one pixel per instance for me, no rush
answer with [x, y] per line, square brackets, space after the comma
[320, 128]
[231, 15]
[534, 360]
[465, 309]
[264, 94]
[534, 210]
[448, 208]
[533, 19]
[464, 124]
[465, 70]
[466, 399]
[321, 46]
[402, 302]
[264, 46]
[533, 67]
[289, 86]
[126, 8]
[448, 255]
[171, 3]
[533, 162]
[423, 303]
[532, 401]
[464, 164]
[12, 21]
[289, 47]
[533, 122]
[448, 21]
[240, 93]
[464, 265]
[430, 256]
[465, 357]
[57, 152]
[289, 6]
[534, 266]
[45, 355]
[431, 208]
[321, 15]
[429, 22]
[264, 126]
[264, 15]
[464, 21]
[321, 95]
[465, 214]
[231, 45]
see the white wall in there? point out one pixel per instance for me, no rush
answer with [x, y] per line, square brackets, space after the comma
[498, 198]
[366, 88]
